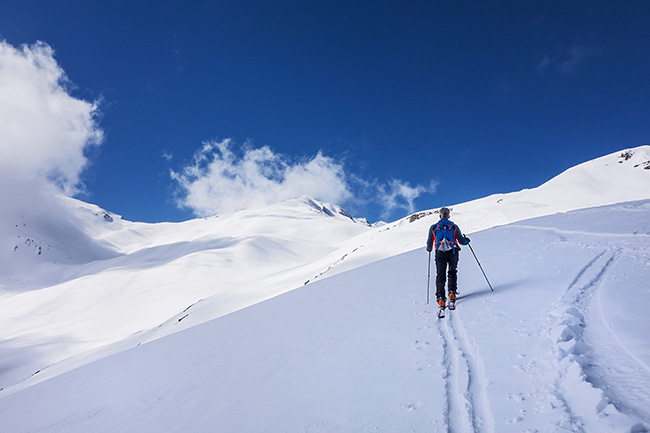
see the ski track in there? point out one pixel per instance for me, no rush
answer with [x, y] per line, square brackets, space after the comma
[608, 326]
[581, 273]
[467, 407]
[640, 363]
[570, 326]
[582, 233]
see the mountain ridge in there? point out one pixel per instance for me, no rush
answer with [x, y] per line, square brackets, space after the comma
[165, 277]
[362, 350]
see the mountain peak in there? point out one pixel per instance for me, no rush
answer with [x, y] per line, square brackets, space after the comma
[328, 209]
[638, 157]
[619, 177]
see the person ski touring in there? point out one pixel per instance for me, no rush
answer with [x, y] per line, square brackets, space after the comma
[444, 238]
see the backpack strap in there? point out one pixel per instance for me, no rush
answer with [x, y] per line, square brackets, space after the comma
[455, 237]
[434, 247]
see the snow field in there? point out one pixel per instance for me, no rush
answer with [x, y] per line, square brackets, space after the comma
[175, 265]
[298, 318]
[361, 351]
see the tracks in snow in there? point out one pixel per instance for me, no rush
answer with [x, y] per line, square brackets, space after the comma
[467, 408]
[579, 385]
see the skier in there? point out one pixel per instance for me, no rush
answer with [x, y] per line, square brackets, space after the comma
[444, 237]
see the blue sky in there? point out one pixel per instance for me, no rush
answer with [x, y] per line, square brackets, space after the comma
[397, 106]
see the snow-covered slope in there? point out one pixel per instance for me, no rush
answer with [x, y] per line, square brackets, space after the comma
[158, 270]
[113, 284]
[44, 230]
[559, 346]
[615, 178]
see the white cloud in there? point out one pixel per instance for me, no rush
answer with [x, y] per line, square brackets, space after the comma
[43, 129]
[544, 64]
[398, 194]
[219, 180]
[576, 55]
[44, 132]
[568, 60]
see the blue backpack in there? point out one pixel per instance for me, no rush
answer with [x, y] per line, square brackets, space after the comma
[444, 236]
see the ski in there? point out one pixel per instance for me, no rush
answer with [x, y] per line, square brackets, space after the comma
[441, 313]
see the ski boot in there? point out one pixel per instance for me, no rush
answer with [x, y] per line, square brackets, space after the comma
[452, 301]
[441, 308]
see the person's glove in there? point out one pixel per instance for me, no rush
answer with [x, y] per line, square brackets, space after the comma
[468, 241]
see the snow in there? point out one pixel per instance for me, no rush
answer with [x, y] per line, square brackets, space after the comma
[208, 325]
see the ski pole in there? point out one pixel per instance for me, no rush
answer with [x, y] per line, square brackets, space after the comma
[428, 277]
[479, 265]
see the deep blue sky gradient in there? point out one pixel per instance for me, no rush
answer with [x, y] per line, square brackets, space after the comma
[505, 95]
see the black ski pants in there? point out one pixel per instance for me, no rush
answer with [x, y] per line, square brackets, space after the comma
[446, 263]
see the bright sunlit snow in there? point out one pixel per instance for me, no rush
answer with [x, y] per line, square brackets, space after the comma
[298, 317]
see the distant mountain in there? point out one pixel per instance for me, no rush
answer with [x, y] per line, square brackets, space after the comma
[559, 346]
[78, 282]
[619, 177]
[52, 229]
[615, 178]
